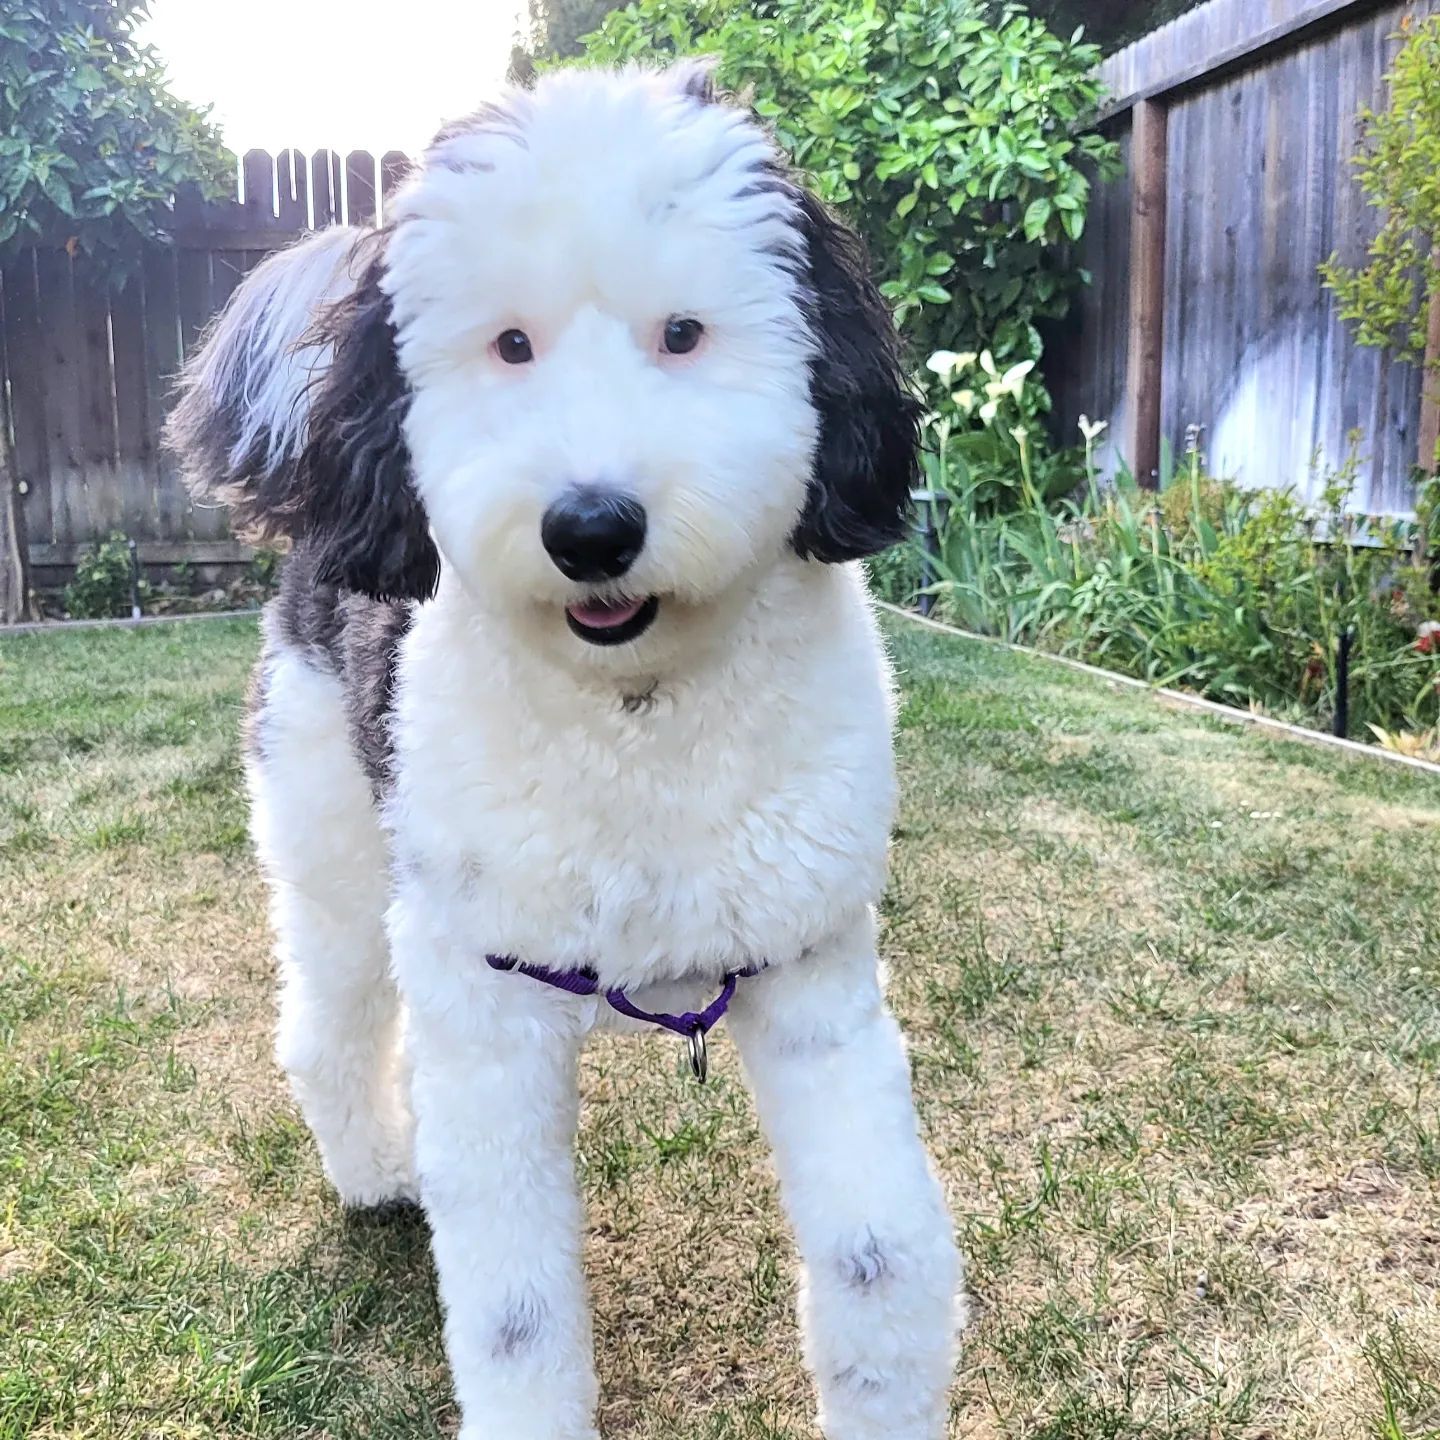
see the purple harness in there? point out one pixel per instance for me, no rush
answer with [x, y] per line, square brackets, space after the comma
[694, 1025]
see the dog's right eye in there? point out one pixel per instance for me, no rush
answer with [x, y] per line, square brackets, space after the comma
[513, 347]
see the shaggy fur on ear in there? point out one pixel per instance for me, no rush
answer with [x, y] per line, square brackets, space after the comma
[357, 496]
[291, 411]
[866, 458]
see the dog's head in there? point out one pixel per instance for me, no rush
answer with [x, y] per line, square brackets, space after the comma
[608, 362]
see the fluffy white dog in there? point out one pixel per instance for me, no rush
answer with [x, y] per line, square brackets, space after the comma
[570, 695]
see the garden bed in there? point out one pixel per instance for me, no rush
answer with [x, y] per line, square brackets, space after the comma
[1173, 995]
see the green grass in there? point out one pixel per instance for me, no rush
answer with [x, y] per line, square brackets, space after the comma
[1173, 994]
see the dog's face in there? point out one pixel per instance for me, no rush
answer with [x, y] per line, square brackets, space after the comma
[613, 363]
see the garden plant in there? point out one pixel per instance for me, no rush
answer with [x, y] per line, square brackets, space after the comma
[1242, 596]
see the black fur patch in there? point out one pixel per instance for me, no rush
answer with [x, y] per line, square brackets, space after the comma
[356, 639]
[521, 1328]
[865, 1267]
[854, 1379]
[353, 486]
[695, 78]
[867, 455]
[373, 632]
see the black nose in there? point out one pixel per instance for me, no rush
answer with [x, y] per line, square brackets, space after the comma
[593, 534]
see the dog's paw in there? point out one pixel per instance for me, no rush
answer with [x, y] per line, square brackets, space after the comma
[374, 1177]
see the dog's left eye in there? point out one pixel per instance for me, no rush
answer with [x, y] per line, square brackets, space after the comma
[681, 336]
[513, 347]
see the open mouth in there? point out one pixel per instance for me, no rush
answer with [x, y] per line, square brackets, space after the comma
[611, 622]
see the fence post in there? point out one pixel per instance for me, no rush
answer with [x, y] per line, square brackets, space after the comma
[1145, 350]
[1430, 389]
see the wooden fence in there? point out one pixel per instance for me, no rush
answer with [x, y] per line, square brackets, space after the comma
[1238, 128]
[89, 371]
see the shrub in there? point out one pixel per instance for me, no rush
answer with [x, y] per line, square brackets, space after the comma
[92, 144]
[949, 140]
[1388, 299]
[102, 584]
[1240, 596]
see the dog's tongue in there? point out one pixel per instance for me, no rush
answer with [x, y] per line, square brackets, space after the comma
[603, 614]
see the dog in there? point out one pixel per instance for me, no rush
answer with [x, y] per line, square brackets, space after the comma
[572, 706]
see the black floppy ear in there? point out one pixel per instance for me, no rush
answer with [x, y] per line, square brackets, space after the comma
[866, 456]
[365, 524]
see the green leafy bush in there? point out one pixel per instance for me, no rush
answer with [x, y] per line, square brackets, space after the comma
[1240, 596]
[101, 587]
[264, 570]
[1388, 299]
[556, 26]
[946, 136]
[92, 144]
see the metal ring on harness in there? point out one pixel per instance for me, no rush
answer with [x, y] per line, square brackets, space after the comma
[699, 1059]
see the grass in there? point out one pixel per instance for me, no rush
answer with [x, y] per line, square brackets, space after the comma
[1173, 995]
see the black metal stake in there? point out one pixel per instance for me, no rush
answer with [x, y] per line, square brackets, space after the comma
[135, 611]
[1342, 683]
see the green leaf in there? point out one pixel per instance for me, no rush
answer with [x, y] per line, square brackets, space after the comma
[1037, 217]
[57, 192]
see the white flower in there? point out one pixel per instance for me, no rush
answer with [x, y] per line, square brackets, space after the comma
[989, 410]
[1092, 430]
[987, 364]
[965, 400]
[1013, 379]
[946, 362]
[1011, 383]
[1020, 435]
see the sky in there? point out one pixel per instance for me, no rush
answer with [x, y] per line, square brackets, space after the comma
[349, 74]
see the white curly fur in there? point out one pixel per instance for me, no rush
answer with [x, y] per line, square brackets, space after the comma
[716, 793]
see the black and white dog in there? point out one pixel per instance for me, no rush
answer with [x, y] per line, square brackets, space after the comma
[570, 669]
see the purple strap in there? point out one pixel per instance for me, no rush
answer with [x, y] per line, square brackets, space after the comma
[586, 982]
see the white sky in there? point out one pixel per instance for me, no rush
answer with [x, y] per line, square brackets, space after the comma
[372, 74]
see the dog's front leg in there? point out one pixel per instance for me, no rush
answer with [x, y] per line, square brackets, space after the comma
[495, 1095]
[879, 1302]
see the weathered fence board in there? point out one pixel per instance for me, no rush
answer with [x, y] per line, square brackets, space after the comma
[1262, 99]
[61, 392]
[162, 359]
[24, 358]
[90, 372]
[360, 187]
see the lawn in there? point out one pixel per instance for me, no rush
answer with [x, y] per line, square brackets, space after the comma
[1173, 995]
